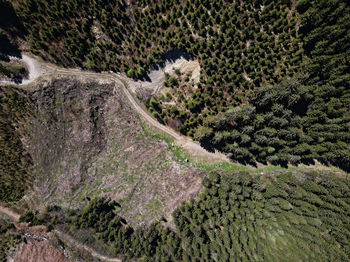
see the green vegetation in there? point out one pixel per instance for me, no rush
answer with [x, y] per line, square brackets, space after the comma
[274, 88]
[50, 218]
[12, 70]
[14, 161]
[11, 29]
[288, 217]
[325, 27]
[248, 51]
[278, 218]
[136, 40]
[276, 128]
[9, 237]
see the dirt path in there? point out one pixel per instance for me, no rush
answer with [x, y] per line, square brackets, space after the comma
[64, 237]
[35, 68]
[75, 244]
[193, 148]
[13, 215]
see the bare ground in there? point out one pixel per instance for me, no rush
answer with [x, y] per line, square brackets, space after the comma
[13, 215]
[35, 251]
[87, 142]
[175, 60]
[32, 250]
[44, 251]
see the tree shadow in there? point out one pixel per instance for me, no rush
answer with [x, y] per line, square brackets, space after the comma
[17, 81]
[175, 54]
[146, 78]
[8, 48]
[11, 29]
[337, 163]
[9, 21]
[207, 146]
[344, 167]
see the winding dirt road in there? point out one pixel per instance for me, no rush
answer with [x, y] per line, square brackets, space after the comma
[192, 147]
[38, 69]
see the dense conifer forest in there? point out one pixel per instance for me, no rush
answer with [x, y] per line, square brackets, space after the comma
[274, 88]
[15, 163]
[237, 217]
[248, 52]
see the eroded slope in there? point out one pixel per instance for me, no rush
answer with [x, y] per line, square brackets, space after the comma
[86, 141]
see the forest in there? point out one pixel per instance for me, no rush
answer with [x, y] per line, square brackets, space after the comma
[15, 162]
[247, 50]
[237, 217]
[274, 88]
[8, 238]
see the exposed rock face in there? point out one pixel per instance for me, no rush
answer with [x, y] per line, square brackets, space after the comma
[87, 141]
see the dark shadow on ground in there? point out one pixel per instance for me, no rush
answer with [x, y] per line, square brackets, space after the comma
[8, 48]
[9, 21]
[11, 29]
[170, 56]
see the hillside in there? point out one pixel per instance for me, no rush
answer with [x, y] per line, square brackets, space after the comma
[245, 51]
[160, 130]
[82, 140]
[99, 147]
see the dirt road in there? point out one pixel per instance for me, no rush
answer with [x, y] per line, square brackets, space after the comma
[35, 68]
[64, 237]
[13, 215]
[73, 243]
[38, 69]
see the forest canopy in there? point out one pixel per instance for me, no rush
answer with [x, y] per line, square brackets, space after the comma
[247, 50]
[237, 216]
[274, 88]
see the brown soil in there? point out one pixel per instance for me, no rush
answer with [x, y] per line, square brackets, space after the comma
[86, 140]
[37, 251]
[32, 250]
[13, 215]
